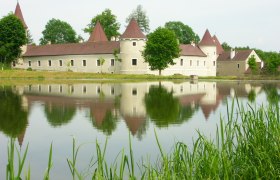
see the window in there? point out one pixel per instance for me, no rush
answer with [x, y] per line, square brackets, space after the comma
[60, 62]
[214, 63]
[181, 62]
[238, 66]
[134, 91]
[98, 90]
[134, 43]
[204, 63]
[72, 89]
[39, 88]
[30, 87]
[50, 63]
[98, 62]
[60, 88]
[84, 62]
[197, 63]
[14, 63]
[112, 90]
[29, 63]
[39, 63]
[134, 62]
[190, 62]
[50, 88]
[72, 62]
[112, 62]
[84, 89]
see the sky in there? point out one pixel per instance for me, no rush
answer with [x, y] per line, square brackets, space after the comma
[254, 23]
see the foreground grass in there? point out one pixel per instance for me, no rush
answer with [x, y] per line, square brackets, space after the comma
[247, 146]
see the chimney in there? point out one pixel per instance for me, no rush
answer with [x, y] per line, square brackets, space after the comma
[232, 53]
[193, 44]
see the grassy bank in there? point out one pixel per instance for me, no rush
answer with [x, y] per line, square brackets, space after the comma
[247, 146]
[35, 76]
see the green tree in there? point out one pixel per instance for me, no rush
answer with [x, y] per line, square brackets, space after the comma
[226, 47]
[108, 22]
[12, 37]
[13, 118]
[184, 33]
[59, 115]
[141, 17]
[29, 38]
[108, 124]
[58, 32]
[253, 64]
[161, 48]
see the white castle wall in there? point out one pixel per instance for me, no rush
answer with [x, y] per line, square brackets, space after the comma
[129, 52]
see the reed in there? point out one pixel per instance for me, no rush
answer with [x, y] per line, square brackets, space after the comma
[246, 146]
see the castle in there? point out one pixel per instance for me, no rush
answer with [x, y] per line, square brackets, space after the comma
[122, 56]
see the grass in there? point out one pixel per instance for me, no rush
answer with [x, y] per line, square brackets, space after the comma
[246, 146]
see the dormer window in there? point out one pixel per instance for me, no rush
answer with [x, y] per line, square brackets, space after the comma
[134, 43]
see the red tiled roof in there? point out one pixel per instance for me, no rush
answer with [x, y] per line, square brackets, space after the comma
[207, 39]
[97, 34]
[106, 47]
[220, 49]
[133, 31]
[134, 123]
[240, 55]
[18, 14]
[190, 50]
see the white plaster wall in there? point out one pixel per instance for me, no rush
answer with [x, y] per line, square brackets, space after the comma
[91, 63]
[129, 52]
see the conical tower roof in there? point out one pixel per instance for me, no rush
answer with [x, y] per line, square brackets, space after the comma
[220, 49]
[18, 14]
[133, 31]
[207, 40]
[98, 34]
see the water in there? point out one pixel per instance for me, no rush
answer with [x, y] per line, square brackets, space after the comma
[41, 114]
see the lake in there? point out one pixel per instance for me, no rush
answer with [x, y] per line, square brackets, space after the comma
[41, 114]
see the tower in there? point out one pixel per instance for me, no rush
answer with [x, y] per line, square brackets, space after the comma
[208, 46]
[98, 34]
[132, 43]
[18, 14]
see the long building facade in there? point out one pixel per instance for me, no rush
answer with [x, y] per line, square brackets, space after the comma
[122, 56]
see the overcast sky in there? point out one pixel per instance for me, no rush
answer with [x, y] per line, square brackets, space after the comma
[255, 23]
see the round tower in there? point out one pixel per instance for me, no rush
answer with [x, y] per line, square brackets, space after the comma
[208, 46]
[132, 43]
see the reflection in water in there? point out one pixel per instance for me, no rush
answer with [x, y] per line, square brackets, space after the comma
[13, 117]
[272, 94]
[164, 104]
[165, 109]
[59, 115]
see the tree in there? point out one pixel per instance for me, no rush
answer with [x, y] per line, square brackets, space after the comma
[253, 64]
[183, 32]
[59, 115]
[161, 48]
[29, 38]
[14, 118]
[108, 22]
[140, 16]
[12, 37]
[58, 32]
[226, 47]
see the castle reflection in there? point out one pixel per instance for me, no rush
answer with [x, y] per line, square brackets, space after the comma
[107, 104]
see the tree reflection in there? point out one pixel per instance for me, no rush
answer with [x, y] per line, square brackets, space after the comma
[252, 96]
[59, 115]
[164, 109]
[109, 123]
[271, 94]
[13, 118]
